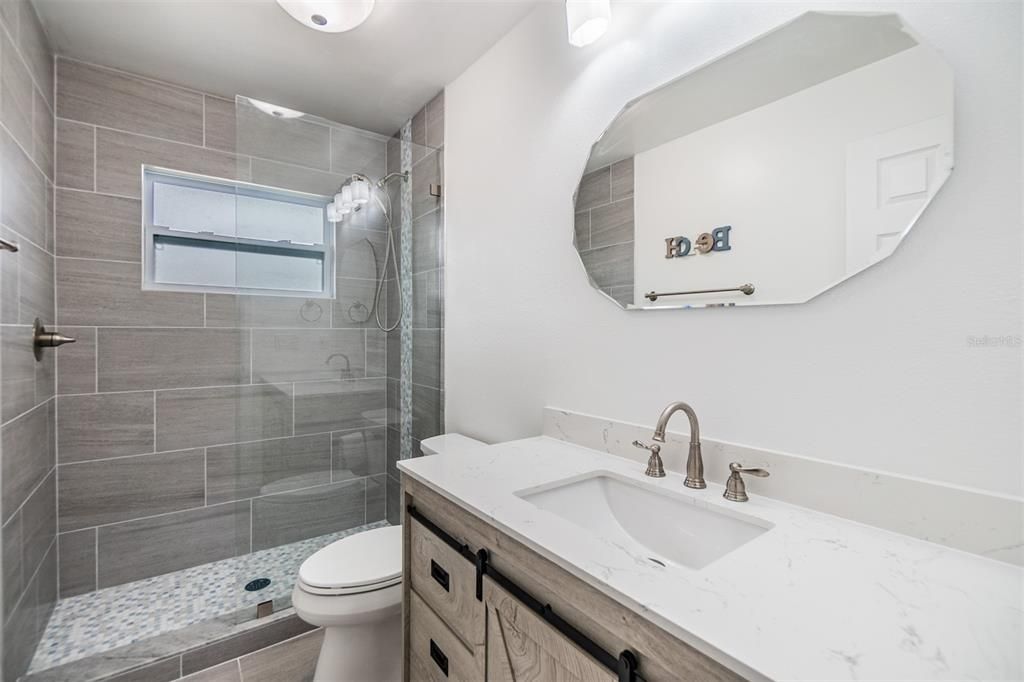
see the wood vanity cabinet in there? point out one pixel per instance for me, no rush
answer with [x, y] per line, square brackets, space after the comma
[451, 636]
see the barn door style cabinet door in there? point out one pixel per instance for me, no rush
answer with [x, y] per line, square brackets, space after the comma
[521, 647]
[480, 605]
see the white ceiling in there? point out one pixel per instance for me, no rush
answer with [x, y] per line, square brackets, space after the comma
[374, 77]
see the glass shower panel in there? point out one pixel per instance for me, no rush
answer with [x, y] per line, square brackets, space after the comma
[311, 423]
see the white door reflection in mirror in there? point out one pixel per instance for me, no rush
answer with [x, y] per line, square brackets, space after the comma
[814, 148]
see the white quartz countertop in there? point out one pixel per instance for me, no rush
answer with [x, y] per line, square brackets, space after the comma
[816, 597]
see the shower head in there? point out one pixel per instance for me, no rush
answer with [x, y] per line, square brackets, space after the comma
[391, 176]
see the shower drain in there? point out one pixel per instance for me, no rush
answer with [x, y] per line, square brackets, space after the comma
[257, 584]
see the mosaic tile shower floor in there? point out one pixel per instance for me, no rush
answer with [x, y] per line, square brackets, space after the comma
[105, 619]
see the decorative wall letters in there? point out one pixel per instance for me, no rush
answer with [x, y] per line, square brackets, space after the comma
[706, 242]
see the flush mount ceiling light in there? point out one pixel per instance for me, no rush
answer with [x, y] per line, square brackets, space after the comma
[330, 16]
[274, 110]
[587, 20]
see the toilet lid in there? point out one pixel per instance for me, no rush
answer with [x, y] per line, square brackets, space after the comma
[370, 559]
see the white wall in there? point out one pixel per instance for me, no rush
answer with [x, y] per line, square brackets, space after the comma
[878, 372]
[777, 175]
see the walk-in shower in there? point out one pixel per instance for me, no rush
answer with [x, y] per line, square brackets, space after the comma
[252, 360]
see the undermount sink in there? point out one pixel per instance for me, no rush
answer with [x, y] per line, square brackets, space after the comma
[661, 526]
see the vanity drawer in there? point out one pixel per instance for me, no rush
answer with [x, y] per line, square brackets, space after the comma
[447, 583]
[435, 653]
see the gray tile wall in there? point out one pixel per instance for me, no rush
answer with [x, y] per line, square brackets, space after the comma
[28, 560]
[426, 274]
[194, 427]
[605, 228]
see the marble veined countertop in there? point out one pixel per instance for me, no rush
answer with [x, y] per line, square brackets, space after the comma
[816, 597]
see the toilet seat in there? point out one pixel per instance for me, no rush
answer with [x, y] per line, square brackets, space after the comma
[364, 562]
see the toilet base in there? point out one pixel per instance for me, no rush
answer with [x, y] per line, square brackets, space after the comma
[367, 652]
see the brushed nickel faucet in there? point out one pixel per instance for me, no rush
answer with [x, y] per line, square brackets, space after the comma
[735, 488]
[694, 460]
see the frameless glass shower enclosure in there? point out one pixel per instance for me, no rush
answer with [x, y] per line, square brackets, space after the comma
[246, 405]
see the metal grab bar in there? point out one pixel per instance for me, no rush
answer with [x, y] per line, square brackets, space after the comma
[747, 289]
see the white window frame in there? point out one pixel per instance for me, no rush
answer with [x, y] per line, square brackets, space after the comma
[152, 232]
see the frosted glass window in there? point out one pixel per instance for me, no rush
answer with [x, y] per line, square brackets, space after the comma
[216, 235]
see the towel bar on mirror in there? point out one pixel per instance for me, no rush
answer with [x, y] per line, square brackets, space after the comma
[747, 289]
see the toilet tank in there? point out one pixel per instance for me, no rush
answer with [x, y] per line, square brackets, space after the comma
[449, 442]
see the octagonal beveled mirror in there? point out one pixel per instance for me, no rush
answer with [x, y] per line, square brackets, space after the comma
[771, 174]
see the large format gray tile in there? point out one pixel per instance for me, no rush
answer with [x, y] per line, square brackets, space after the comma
[595, 189]
[114, 99]
[12, 572]
[120, 156]
[220, 123]
[611, 265]
[298, 178]
[77, 562]
[622, 179]
[376, 353]
[360, 252]
[354, 304]
[20, 635]
[393, 501]
[581, 231]
[394, 451]
[17, 371]
[427, 300]
[106, 293]
[293, 660]
[235, 472]
[358, 453]
[112, 490]
[225, 672]
[164, 670]
[39, 523]
[356, 151]
[46, 586]
[104, 425]
[376, 502]
[286, 355]
[426, 357]
[243, 643]
[427, 172]
[434, 112]
[76, 362]
[297, 515]
[25, 207]
[98, 226]
[42, 135]
[36, 49]
[418, 127]
[227, 310]
[612, 223]
[35, 285]
[428, 241]
[9, 281]
[293, 140]
[76, 155]
[338, 405]
[426, 412]
[27, 457]
[18, 90]
[143, 548]
[187, 418]
[135, 359]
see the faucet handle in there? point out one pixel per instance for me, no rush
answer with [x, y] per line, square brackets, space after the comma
[735, 488]
[738, 468]
[655, 468]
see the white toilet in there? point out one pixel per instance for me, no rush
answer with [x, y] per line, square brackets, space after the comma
[353, 588]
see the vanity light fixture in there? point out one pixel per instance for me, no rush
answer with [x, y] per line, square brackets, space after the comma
[329, 16]
[587, 20]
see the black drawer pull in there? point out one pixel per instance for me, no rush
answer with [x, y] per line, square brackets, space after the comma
[439, 658]
[439, 575]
